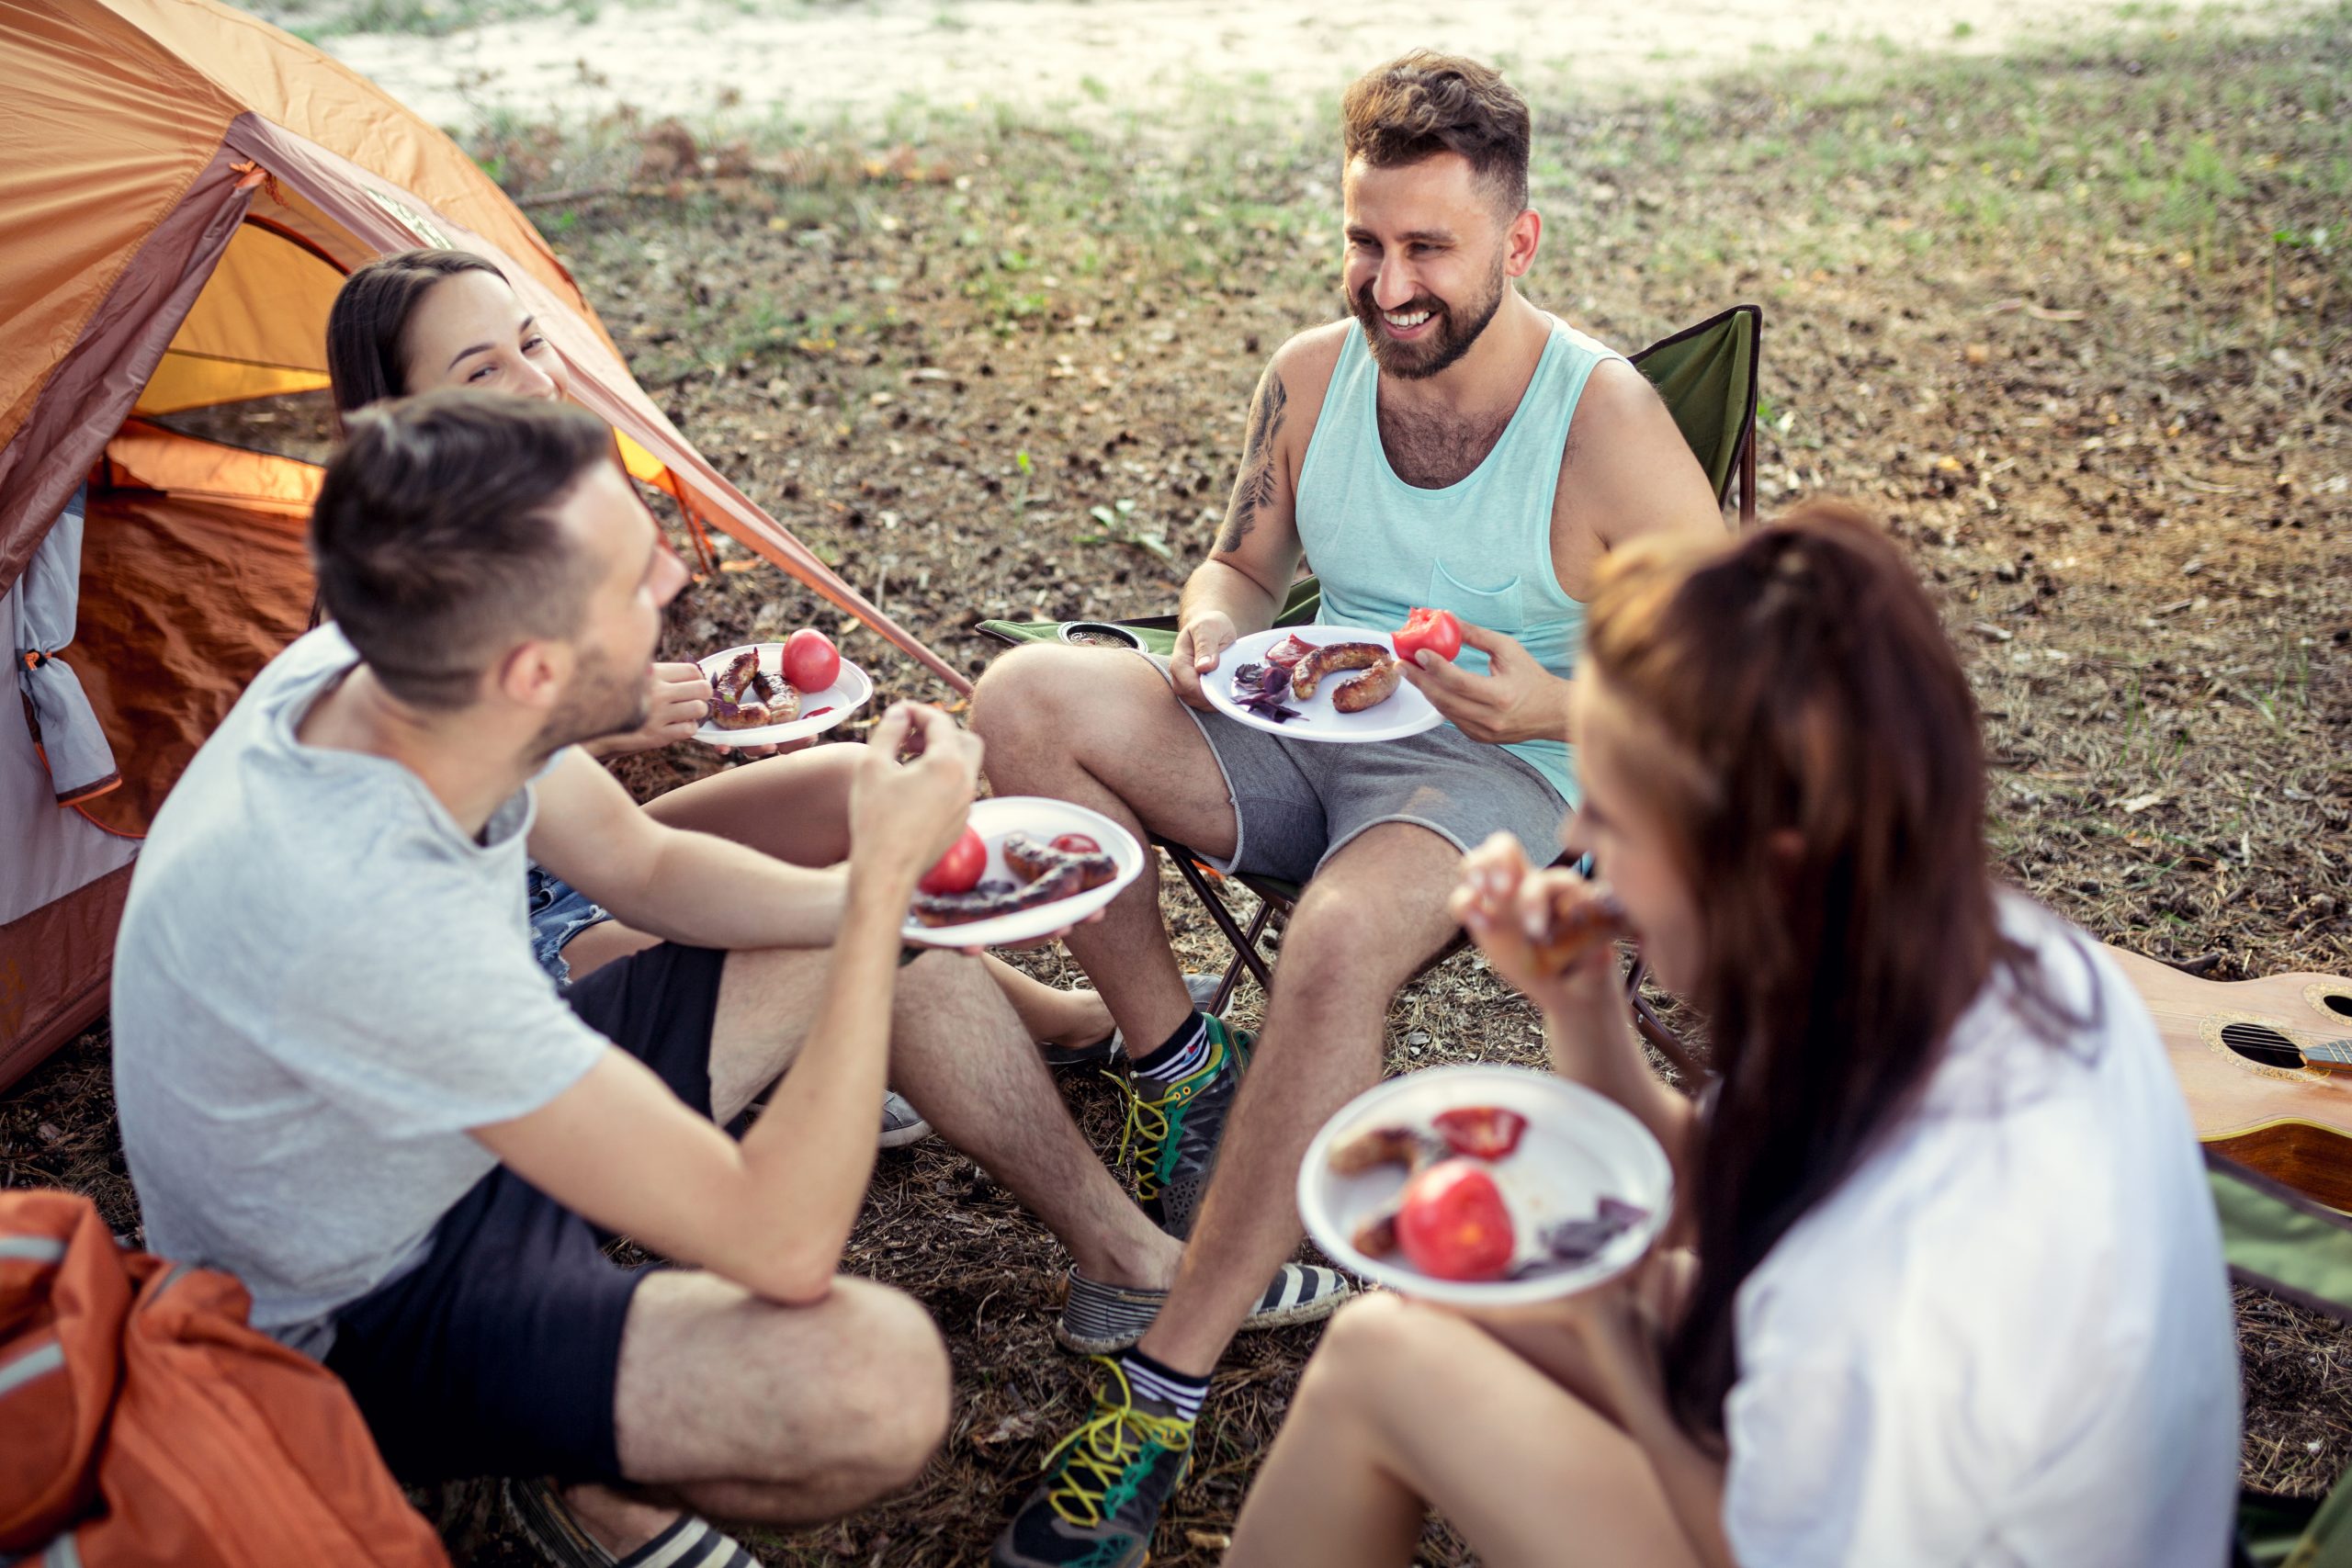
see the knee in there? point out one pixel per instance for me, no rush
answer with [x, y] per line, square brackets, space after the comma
[895, 1396]
[1373, 1341]
[1331, 952]
[1026, 696]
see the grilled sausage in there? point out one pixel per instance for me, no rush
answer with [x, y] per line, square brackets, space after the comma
[1334, 657]
[1371, 689]
[1048, 876]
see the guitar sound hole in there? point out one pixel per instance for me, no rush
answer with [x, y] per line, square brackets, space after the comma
[2257, 1043]
[2338, 1002]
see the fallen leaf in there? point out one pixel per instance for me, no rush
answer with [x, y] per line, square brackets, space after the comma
[2140, 803]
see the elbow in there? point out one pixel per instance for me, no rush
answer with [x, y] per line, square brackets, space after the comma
[790, 1272]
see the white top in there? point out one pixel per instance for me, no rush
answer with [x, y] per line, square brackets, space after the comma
[320, 983]
[2007, 1338]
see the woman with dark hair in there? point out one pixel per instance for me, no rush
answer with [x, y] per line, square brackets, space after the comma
[1958, 1295]
[422, 320]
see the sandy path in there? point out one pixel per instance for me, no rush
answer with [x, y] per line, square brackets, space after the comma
[1096, 57]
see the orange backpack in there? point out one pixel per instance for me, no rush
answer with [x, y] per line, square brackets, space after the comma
[145, 1423]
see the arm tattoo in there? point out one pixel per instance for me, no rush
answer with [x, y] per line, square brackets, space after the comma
[1254, 487]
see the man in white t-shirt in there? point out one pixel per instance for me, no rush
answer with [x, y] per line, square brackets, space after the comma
[415, 1169]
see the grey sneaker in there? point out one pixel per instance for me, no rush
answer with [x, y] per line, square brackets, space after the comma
[901, 1122]
[1173, 1129]
[1099, 1319]
[1202, 988]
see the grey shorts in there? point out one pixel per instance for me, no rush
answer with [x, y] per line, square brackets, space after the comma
[1297, 803]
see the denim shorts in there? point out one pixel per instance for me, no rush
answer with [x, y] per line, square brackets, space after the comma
[558, 912]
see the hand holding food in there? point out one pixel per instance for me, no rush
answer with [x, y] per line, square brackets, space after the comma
[1435, 630]
[1200, 643]
[1548, 933]
[904, 816]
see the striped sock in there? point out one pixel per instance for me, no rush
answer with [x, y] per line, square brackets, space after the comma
[1165, 1385]
[1182, 1054]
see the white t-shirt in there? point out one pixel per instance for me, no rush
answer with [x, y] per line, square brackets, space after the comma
[2007, 1338]
[321, 983]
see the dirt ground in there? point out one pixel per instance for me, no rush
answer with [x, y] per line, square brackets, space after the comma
[1100, 60]
[2074, 321]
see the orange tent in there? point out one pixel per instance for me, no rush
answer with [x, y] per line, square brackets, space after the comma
[183, 189]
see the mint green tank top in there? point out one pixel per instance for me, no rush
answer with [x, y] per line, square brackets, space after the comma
[1481, 548]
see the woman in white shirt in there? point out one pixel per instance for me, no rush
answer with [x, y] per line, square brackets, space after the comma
[1958, 1295]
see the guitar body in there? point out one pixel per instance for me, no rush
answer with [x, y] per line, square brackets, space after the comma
[2265, 1066]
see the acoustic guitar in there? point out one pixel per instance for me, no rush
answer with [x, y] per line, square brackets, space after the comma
[2265, 1066]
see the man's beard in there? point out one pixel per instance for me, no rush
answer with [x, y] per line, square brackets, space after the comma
[602, 700]
[1455, 335]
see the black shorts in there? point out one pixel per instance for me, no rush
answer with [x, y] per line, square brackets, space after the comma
[499, 1353]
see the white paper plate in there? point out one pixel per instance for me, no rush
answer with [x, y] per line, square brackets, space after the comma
[848, 694]
[1405, 713]
[1044, 821]
[1579, 1146]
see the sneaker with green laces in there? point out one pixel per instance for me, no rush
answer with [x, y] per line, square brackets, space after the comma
[1104, 1486]
[1173, 1129]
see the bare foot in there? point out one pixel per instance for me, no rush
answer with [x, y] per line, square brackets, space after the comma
[1080, 1019]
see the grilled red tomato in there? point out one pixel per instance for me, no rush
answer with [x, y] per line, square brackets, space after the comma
[1077, 844]
[961, 868]
[1452, 1224]
[1482, 1132]
[1436, 630]
[811, 663]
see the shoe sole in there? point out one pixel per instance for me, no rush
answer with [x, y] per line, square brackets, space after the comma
[532, 1521]
[1257, 1323]
[900, 1137]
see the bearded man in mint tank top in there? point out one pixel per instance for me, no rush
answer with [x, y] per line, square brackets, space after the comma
[1447, 444]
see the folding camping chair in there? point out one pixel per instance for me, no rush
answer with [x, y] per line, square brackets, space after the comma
[1706, 375]
[2293, 1246]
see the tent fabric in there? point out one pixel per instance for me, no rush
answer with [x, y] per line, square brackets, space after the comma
[184, 597]
[95, 383]
[183, 189]
[253, 332]
[74, 209]
[40, 610]
[54, 962]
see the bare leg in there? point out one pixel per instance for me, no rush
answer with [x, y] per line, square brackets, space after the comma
[1100, 728]
[970, 1068]
[959, 1054]
[794, 807]
[1065, 1018]
[712, 1425]
[738, 1408]
[1407, 1406]
[1321, 1046]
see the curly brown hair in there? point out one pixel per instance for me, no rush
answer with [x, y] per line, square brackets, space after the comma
[1422, 104]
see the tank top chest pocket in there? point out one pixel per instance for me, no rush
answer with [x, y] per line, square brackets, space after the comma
[1497, 609]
